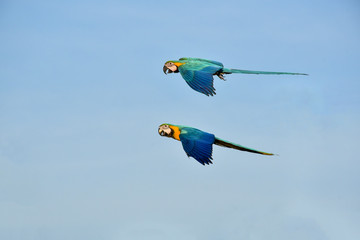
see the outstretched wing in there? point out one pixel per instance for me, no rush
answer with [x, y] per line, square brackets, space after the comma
[197, 144]
[199, 76]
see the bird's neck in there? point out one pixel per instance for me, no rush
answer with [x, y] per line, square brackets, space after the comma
[176, 132]
[178, 64]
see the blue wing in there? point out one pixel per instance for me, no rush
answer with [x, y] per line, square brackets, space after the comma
[197, 144]
[199, 76]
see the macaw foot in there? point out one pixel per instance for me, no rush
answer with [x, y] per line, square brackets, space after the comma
[221, 76]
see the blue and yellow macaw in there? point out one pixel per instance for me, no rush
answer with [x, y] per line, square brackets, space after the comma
[198, 73]
[198, 144]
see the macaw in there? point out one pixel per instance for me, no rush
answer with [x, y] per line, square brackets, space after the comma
[198, 73]
[198, 144]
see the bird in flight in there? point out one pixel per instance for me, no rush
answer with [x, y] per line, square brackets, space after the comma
[198, 144]
[198, 73]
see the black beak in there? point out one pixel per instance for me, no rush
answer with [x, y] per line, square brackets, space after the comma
[166, 70]
[162, 133]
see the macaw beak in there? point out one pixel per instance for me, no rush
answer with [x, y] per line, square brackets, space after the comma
[166, 70]
[162, 133]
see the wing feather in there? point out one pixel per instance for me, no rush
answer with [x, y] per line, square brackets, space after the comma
[197, 144]
[199, 76]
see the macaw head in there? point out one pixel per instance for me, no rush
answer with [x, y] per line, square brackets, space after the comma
[170, 67]
[165, 130]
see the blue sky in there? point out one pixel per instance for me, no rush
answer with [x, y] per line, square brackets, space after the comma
[82, 93]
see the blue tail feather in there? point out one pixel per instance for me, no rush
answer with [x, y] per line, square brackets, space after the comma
[229, 71]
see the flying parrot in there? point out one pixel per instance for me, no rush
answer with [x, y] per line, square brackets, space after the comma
[198, 144]
[198, 73]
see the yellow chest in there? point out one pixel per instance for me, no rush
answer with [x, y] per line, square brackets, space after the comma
[176, 134]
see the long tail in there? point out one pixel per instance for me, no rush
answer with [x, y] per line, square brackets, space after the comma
[227, 144]
[229, 71]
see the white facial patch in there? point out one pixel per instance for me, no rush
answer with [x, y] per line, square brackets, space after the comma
[171, 66]
[164, 130]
